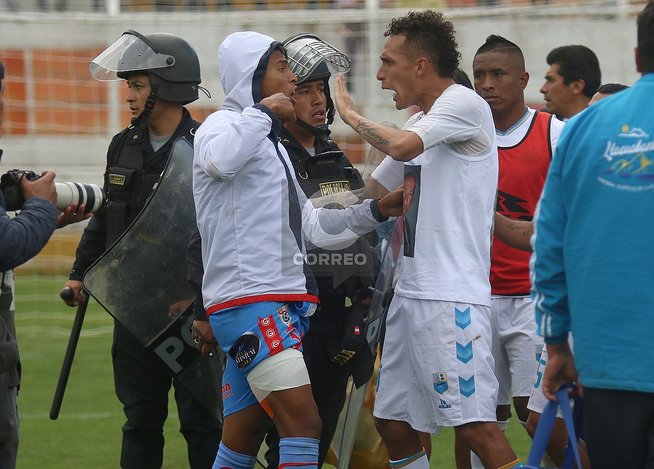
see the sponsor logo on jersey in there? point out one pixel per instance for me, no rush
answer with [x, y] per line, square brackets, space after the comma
[443, 404]
[245, 349]
[440, 382]
[283, 315]
[334, 187]
[226, 390]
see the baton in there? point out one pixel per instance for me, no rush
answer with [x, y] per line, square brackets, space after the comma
[67, 364]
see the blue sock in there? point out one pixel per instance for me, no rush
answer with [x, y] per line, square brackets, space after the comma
[298, 453]
[228, 459]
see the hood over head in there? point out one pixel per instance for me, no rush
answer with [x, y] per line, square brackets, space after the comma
[242, 61]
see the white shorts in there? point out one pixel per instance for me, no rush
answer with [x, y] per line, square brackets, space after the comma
[516, 346]
[537, 399]
[436, 367]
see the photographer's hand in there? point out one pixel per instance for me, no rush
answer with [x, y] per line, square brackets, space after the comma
[44, 187]
[77, 297]
[72, 214]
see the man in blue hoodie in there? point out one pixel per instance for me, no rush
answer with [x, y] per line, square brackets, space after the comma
[593, 254]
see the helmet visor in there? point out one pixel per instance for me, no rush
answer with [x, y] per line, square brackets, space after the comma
[305, 53]
[129, 53]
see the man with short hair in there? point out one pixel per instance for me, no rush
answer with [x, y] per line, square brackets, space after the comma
[437, 366]
[572, 79]
[605, 90]
[592, 249]
[526, 140]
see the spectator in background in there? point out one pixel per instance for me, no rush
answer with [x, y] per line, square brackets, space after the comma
[572, 79]
[607, 90]
[593, 251]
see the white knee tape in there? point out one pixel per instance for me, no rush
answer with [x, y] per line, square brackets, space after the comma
[284, 370]
[503, 424]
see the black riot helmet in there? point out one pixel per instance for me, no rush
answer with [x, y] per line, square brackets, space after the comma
[311, 59]
[171, 64]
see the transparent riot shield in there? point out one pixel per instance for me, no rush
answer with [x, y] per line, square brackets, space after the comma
[357, 444]
[141, 280]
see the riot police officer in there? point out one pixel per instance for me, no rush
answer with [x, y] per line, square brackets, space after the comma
[162, 73]
[332, 349]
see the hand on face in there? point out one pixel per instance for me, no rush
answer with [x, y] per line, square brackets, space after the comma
[281, 105]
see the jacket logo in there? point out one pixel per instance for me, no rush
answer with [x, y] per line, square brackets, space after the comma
[117, 179]
[334, 187]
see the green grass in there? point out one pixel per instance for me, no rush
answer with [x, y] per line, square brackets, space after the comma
[87, 433]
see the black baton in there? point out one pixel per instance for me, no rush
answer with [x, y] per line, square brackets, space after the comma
[67, 364]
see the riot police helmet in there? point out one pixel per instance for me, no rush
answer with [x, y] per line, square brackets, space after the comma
[311, 59]
[171, 64]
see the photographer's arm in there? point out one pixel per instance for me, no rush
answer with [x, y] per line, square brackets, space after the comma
[22, 237]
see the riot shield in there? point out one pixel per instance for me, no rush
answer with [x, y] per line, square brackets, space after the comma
[141, 279]
[362, 447]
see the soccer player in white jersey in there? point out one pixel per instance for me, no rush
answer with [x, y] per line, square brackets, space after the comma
[437, 367]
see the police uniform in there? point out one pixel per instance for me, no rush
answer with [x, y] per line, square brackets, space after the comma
[328, 172]
[142, 381]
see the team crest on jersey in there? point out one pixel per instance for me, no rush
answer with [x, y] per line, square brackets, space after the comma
[283, 315]
[334, 187]
[245, 349]
[440, 382]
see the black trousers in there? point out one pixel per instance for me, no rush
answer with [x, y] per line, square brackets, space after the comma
[142, 386]
[619, 428]
[328, 384]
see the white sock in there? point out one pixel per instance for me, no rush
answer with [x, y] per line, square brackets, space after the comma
[417, 461]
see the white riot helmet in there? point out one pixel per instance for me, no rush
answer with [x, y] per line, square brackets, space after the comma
[310, 58]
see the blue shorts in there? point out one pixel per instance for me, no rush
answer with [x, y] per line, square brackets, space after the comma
[248, 335]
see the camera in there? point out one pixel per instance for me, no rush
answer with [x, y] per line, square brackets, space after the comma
[89, 195]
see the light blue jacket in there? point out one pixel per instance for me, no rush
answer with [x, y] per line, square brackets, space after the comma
[593, 261]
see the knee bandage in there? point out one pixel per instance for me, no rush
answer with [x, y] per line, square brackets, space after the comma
[284, 370]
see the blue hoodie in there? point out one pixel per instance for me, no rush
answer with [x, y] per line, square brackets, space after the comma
[593, 260]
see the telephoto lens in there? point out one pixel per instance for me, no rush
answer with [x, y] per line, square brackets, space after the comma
[89, 195]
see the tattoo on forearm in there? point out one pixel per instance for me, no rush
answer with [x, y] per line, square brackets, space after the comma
[367, 129]
[520, 228]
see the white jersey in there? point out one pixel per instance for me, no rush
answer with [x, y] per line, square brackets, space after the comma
[515, 135]
[448, 225]
[251, 212]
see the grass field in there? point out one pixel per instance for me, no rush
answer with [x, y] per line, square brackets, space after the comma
[87, 433]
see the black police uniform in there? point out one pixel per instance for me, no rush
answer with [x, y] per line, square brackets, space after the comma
[142, 381]
[326, 173]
